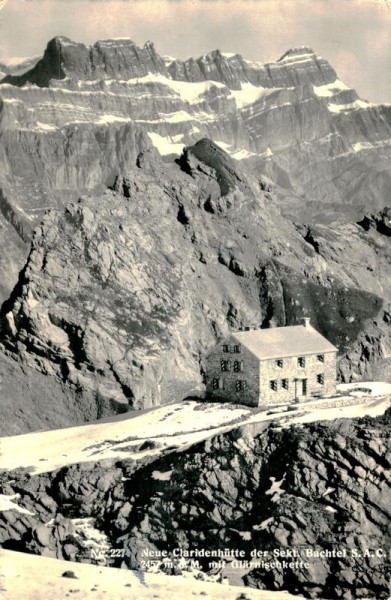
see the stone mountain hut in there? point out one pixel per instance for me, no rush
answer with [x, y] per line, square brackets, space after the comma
[263, 367]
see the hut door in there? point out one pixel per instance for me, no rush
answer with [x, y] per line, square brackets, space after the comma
[304, 390]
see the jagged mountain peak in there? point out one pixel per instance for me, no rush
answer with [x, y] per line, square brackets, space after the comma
[226, 168]
[206, 146]
[207, 151]
[122, 41]
[233, 70]
[149, 44]
[118, 44]
[61, 39]
[218, 54]
[297, 51]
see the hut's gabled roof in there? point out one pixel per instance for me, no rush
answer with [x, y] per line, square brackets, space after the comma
[280, 342]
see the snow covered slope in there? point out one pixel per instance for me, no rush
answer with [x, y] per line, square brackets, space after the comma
[175, 426]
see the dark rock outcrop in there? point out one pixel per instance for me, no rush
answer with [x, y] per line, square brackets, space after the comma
[228, 174]
[381, 221]
[243, 490]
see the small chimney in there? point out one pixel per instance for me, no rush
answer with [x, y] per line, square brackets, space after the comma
[306, 321]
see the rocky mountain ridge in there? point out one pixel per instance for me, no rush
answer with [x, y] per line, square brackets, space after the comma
[107, 58]
[83, 113]
[114, 58]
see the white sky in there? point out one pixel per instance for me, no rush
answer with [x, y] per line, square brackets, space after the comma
[354, 35]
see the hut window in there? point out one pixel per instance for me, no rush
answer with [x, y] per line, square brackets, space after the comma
[240, 385]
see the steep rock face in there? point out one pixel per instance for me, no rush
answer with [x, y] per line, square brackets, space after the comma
[33, 400]
[239, 491]
[45, 168]
[366, 249]
[12, 245]
[106, 58]
[300, 90]
[123, 294]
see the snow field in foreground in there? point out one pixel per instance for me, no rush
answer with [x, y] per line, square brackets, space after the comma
[36, 577]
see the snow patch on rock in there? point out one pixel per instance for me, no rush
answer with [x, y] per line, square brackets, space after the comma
[249, 94]
[330, 89]
[7, 503]
[165, 145]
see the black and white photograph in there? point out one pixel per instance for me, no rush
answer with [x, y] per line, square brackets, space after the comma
[195, 299]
